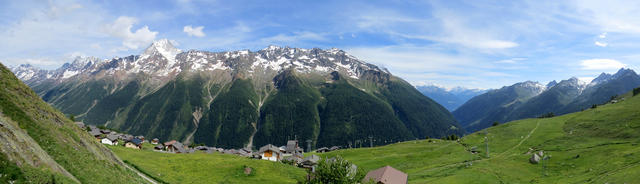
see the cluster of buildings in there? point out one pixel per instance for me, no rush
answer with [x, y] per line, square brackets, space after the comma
[109, 137]
[290, 153]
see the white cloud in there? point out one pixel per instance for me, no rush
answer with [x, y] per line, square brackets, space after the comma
[601, 64]
[510, 61]
[444, 27]
[603, 35]
[611, 16]
[601, 44]
[121, 28]
[293, 38]
[194, 31]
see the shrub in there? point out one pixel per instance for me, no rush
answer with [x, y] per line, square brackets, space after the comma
[495, 123]
[594, 106]
[636, 91]
[547, 115]
[337, 170]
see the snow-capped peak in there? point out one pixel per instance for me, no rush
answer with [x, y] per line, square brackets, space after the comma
[271, 48]
[163, 47]
[551, 84]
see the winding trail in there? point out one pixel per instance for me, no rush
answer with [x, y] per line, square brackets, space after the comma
[145, 177]
[521, 141]
[486, 159]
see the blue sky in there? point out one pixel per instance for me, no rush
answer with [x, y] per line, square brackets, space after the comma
[475, 44]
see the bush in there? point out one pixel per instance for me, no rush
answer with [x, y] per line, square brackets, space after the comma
[594, 106]
[336, 170]
[636, 91]
[452, 137]
[547, 115]
[495, 123]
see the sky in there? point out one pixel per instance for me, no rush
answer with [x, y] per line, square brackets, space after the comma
[473, 44]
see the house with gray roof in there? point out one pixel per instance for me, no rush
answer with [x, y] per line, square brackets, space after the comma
[175, 147]
[270, 152]
[110, 139]
[134, 143]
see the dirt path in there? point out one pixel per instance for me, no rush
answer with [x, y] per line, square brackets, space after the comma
[521, 141]
[486, 159]
[145, 177]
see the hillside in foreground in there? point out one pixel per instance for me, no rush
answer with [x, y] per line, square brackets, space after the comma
[38, 144]
[593, 146]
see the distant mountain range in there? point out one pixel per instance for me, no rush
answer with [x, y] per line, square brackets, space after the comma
[532, 99]
[449, 98]
[242, 98]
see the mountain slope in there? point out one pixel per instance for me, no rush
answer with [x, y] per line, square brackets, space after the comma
[244, 98]
[450, 99]
[593, 146]
[558, 98]
[479, 112]
[46, 146]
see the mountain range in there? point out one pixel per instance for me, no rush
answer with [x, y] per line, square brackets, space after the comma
[531, 99]
[449, 98]
[242, 98]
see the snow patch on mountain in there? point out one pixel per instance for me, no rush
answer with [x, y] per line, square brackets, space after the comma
[162, 59]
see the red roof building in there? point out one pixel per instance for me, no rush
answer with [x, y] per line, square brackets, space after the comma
[386, 175]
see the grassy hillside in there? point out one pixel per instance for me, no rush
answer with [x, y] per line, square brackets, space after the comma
[594, 146]
[208, 168]
[46, 146]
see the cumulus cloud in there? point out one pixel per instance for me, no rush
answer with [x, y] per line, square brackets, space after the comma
[601, 64]
[603, 35]
[194, 31]
[121, 28]
[601, 44]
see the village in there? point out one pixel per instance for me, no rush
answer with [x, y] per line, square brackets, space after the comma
[291, 153]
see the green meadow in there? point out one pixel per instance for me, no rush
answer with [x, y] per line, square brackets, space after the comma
[598, 145]
[201, 167]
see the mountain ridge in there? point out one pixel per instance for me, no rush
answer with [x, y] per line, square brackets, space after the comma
[559, 98]
[450, 98]
[195, 98]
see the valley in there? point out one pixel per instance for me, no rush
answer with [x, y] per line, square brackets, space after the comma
[597, 145]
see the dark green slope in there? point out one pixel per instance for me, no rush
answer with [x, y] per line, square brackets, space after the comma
[168, 112]
[230, 115]
[108, 107]
[291, 112]
[550, 101]
[228, 123]
[74, 98]
[487, 107]
[349, 114]
[420, 114]
[47, 146]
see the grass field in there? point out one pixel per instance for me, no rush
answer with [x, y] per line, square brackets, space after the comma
[207, 168]
[594, 146]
